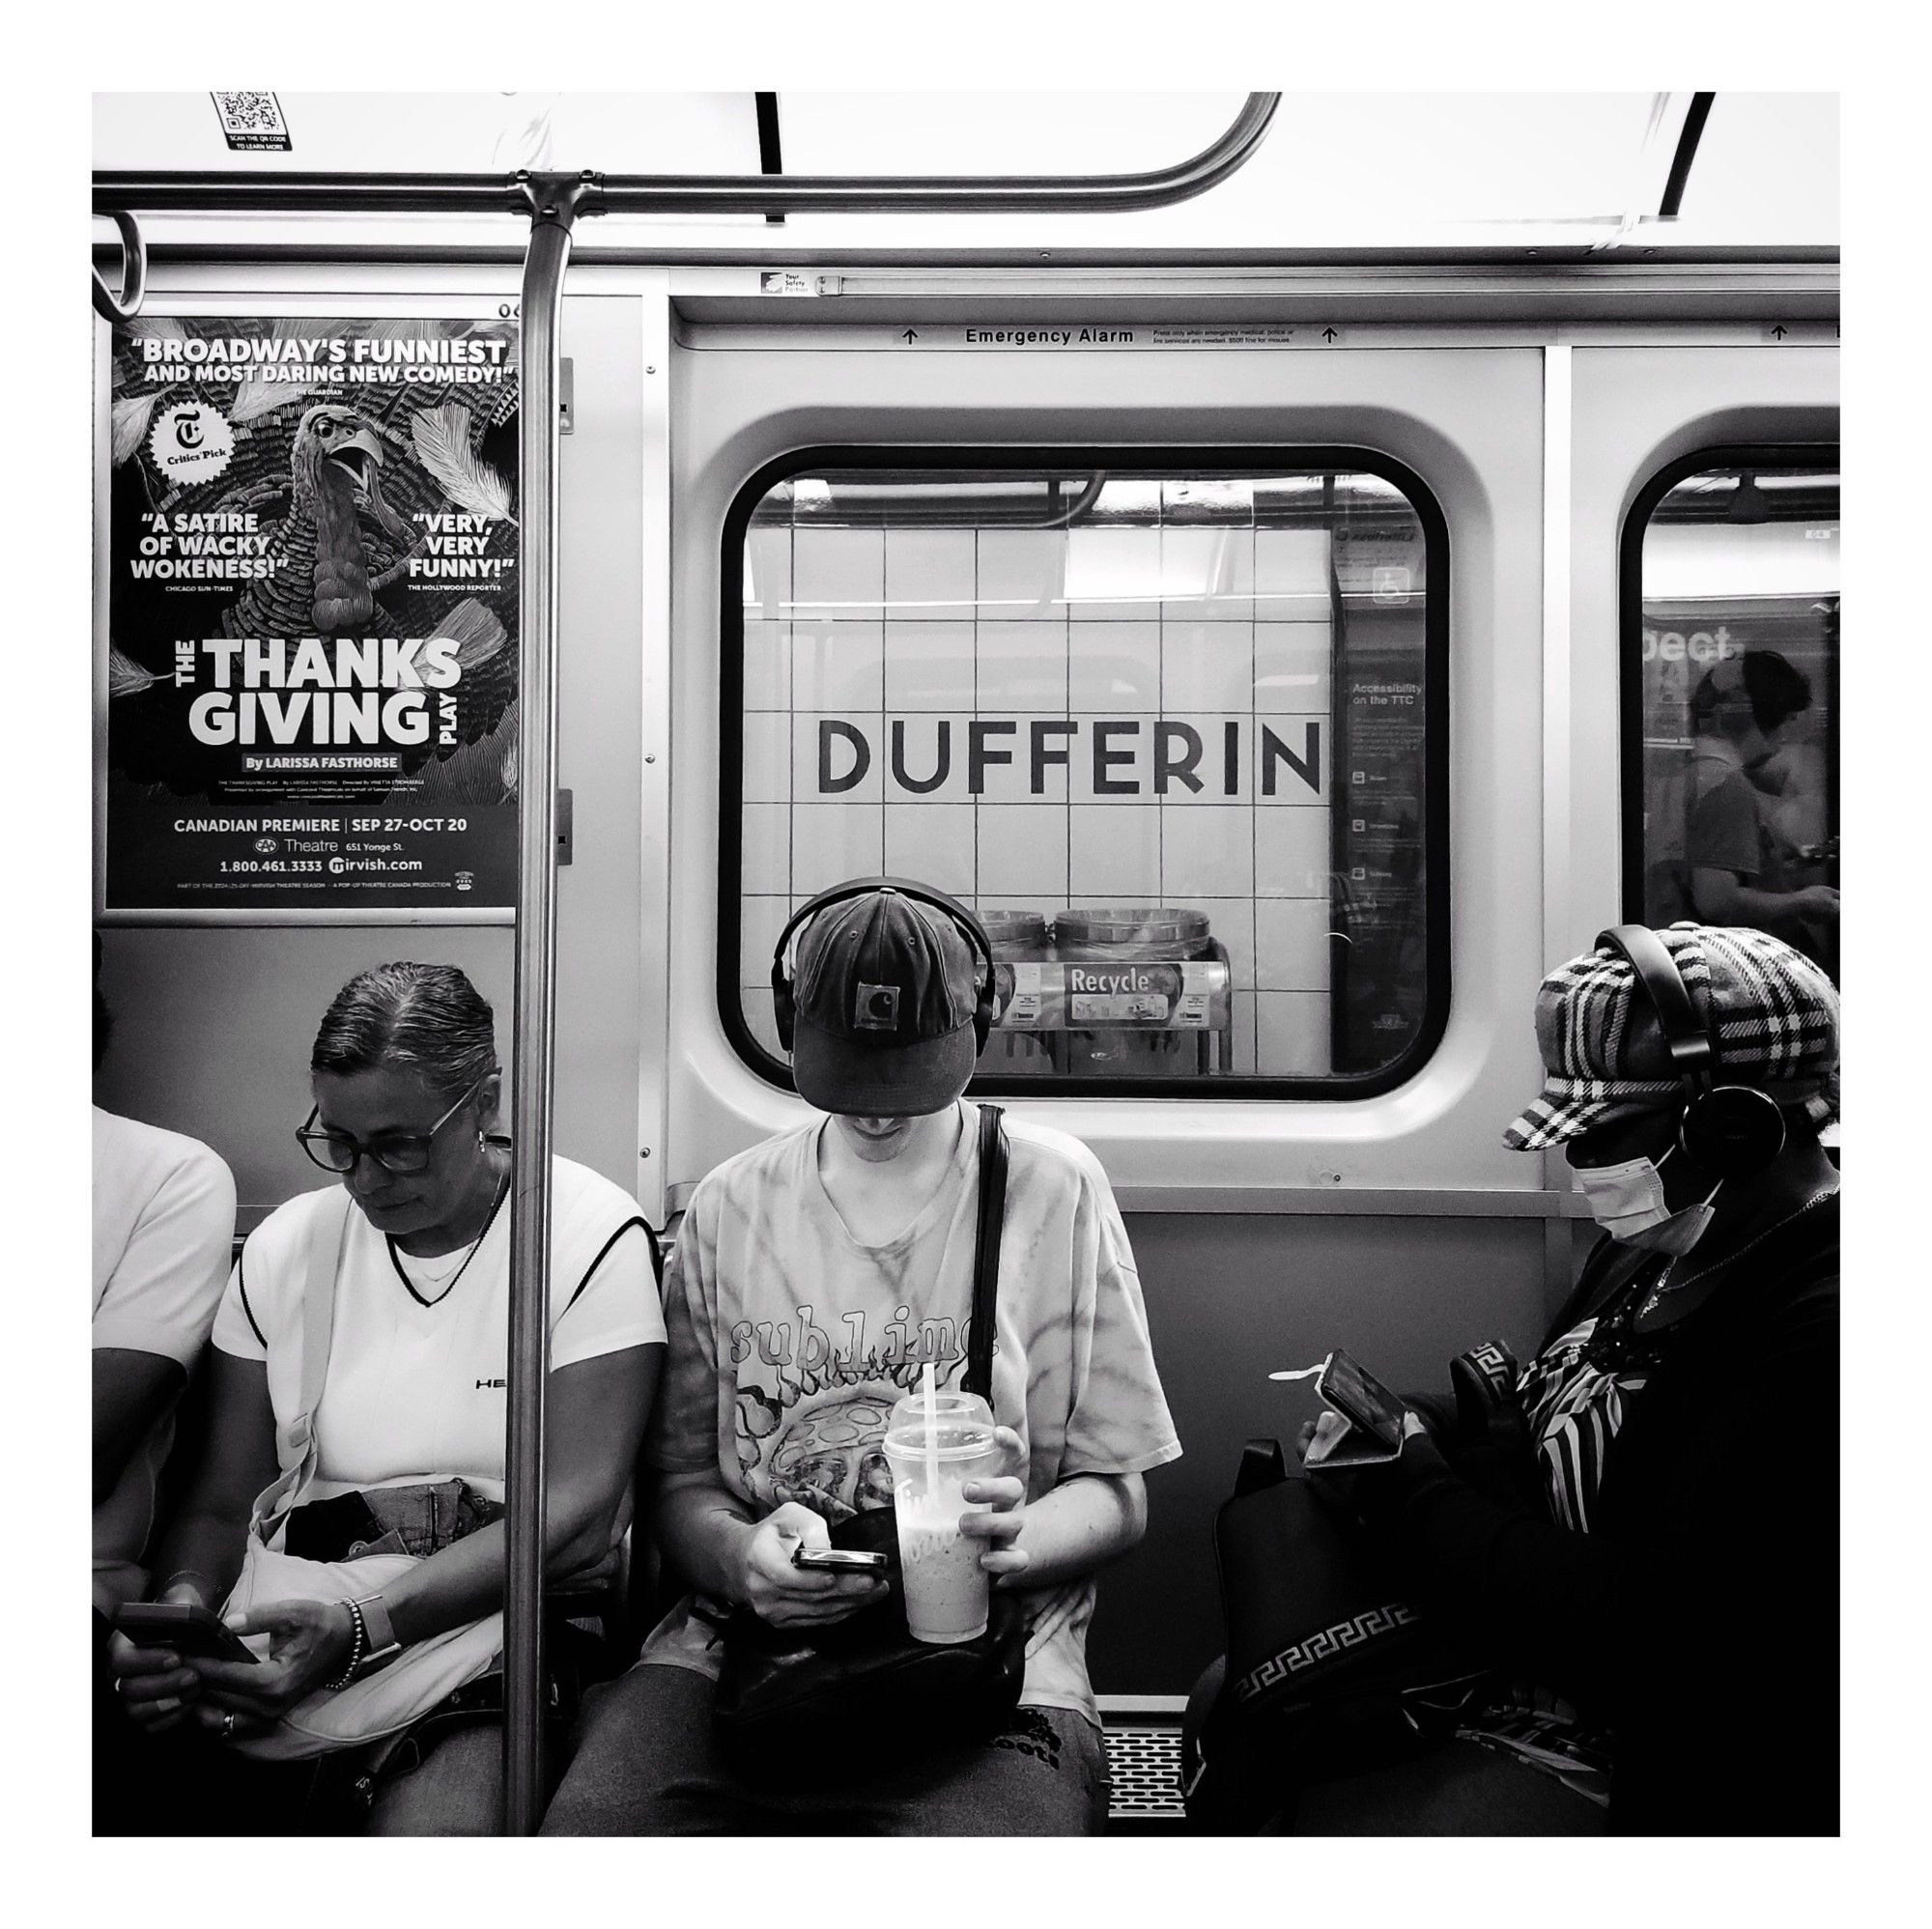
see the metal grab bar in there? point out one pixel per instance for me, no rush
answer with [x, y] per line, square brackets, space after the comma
[203, 192]
[554, 201]
[122, 308]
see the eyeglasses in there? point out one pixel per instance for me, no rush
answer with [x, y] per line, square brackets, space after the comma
[342, 1151]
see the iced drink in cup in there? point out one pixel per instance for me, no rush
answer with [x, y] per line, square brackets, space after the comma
[945, 1584]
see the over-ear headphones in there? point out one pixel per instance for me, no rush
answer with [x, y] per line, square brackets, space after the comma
[1730, 1131]
[784, 1002]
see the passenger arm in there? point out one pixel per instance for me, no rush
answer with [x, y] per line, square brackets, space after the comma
[208, 1536]
[1086, 1521]
[710, 1536]
[595, 1417]
[132, 1391]
[1720, 1553]
[200, 1557]
[1723, 897]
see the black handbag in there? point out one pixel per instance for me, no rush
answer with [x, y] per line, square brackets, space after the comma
[864, 1689]
[1330, 1671]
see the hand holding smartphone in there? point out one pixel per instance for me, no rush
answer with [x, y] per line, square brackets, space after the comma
[184, 1626]
[1372, 1417]
[836, 1560]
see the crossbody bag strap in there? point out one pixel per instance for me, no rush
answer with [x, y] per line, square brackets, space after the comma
[326, 1239]
[993, 1151]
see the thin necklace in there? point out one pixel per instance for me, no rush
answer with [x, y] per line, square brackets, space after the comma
[1665, 1284]
[476, 1247]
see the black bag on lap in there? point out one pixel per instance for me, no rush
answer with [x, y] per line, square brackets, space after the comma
[1331, 1670]
[864, 1684]
[863, 1689]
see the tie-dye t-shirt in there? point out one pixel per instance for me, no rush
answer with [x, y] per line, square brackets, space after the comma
[790, 1342]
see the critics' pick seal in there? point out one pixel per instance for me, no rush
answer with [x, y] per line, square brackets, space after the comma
[190, 442]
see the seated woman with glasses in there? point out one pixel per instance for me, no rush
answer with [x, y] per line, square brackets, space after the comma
[409, 1430]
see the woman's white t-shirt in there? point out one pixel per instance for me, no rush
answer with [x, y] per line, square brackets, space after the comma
[417, 1392]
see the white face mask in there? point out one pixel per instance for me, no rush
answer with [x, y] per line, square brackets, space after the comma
[1626, 1200]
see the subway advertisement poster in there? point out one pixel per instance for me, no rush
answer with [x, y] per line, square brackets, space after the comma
[309, 673]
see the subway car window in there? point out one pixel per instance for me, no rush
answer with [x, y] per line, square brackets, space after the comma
[1733, 787]
[1173, 727]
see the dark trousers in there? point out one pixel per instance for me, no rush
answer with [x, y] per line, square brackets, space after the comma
[646, 1764]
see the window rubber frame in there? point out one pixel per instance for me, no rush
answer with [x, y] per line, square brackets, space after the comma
[1630, 632]
[1233, 462]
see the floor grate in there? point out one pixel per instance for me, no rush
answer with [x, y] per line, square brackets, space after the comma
[1144, 1767]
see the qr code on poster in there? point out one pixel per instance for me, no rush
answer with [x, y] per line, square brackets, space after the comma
[253, 122]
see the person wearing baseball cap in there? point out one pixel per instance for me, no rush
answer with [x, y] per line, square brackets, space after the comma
[1641, 1525]
[814, 1279]
[886, 994]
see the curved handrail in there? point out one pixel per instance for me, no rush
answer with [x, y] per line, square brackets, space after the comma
[1688, 138]
[1081, 504]
[203, 192]
[122, 308]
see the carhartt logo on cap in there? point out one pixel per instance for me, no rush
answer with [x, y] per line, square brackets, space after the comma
[875, 1008]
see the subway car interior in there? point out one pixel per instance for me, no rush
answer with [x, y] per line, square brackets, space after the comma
[559, 536]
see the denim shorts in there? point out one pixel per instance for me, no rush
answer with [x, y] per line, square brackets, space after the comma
[419, 1520]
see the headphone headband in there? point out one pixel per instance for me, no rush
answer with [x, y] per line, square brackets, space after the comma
[784, 1008]
[864, 887]
[1731, 1130]
[1693, 1051]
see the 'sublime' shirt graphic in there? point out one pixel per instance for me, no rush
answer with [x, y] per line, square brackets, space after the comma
[790, 1342]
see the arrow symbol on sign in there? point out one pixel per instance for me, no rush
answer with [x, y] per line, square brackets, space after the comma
[1779, 331]
[911, 335]
[1328, 334]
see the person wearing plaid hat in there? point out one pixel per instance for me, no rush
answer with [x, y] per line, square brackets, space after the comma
[1641, 1525]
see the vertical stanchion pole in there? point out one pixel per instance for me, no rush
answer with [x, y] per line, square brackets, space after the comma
[554, 203]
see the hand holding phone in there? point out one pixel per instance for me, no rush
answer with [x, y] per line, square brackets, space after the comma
[1372, 1420]
[836, 1560]
[785, 1592]
[184, 1627]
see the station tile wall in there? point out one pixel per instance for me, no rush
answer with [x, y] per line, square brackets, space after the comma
[1190, 624]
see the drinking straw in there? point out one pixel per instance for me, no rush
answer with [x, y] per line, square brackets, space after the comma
[929, 1392]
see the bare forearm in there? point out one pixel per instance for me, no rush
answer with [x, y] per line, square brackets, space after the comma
[466, 1579]
[132, 1391]
[1080, 1526]
[204, 1548]
[116, 1436]
[705, 1530]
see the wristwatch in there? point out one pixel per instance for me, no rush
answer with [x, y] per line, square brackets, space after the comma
[381, 1646]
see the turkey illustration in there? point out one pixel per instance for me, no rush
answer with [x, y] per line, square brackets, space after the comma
[324, 584]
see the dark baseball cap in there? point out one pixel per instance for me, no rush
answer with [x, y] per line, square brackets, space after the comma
[885, 992]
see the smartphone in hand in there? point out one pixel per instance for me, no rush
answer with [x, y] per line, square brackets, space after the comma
[836, 1560]
[184, 1626]
[1375, 1416]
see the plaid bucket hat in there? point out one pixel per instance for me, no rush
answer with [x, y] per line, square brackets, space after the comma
[1773, 1015]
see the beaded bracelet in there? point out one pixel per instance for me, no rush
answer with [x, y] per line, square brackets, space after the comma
[359, 1646]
